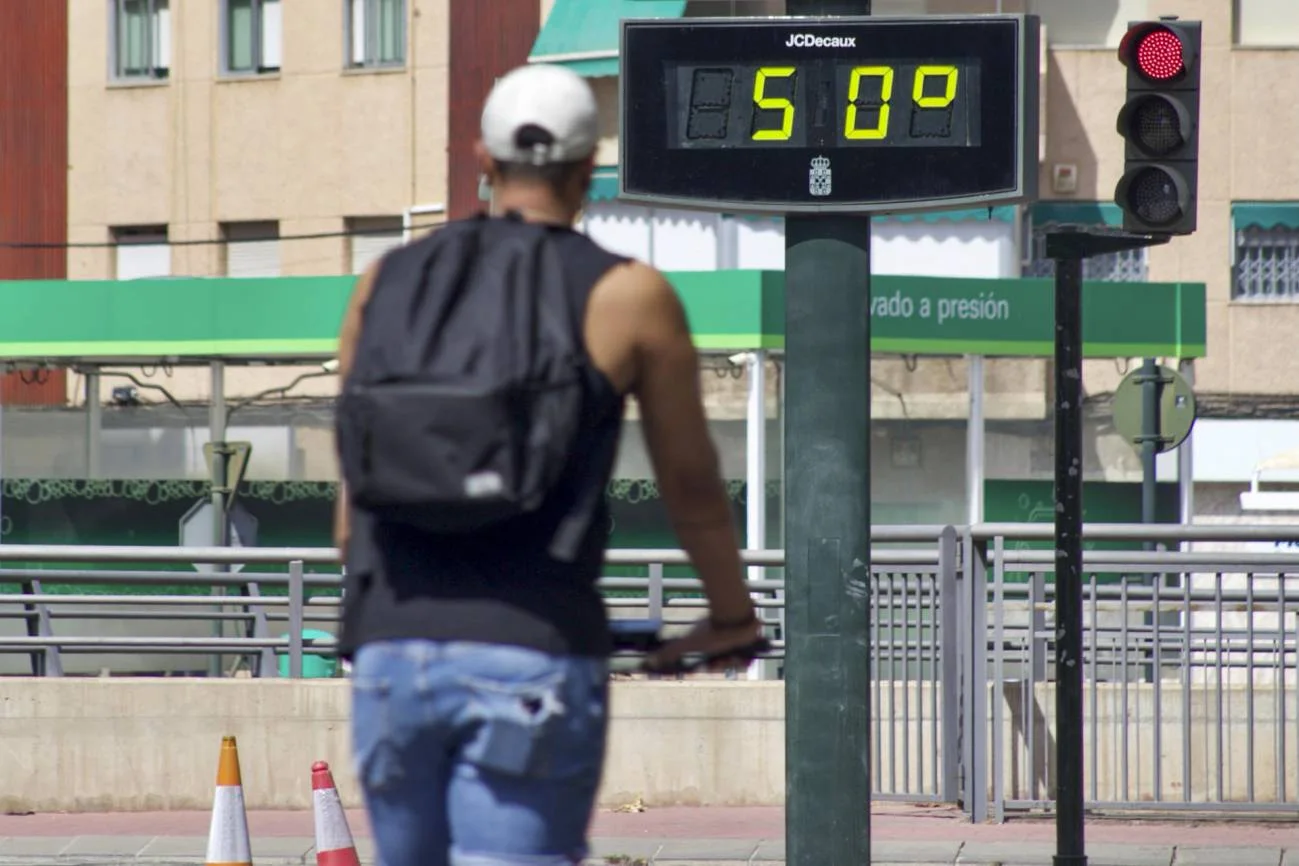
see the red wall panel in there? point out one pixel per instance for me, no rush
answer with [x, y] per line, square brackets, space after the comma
[488, 39]
[34, 388]
[33, 162]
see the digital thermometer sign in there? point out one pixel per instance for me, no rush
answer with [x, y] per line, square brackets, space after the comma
[777, 106]
[830, 114]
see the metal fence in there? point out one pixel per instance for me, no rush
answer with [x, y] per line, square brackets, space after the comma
[1191, 701]
[1191, 656]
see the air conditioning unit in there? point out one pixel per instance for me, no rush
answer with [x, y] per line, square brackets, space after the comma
[1268, 500]
[1271, 500]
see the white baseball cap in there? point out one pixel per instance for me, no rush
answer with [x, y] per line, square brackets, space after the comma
[552, 103]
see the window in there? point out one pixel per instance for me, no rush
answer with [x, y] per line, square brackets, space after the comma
[141, 39]
[370, 237]
[1267, 23]
[141, 252]
[252, 249]
[252, 32]
[1128, 266]
[1266, 267]
[376, 32]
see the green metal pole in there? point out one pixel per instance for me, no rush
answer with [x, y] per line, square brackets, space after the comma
[1150, 428]
[1070, 817]
[827, 454]
[827, 529]
[218, 494]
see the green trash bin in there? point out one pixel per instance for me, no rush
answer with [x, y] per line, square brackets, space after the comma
[313, 666]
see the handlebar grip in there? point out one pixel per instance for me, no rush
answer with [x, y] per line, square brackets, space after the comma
[695, 661]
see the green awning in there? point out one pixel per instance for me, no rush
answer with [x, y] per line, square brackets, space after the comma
[978, 214]
[1088, 213]
[995, 214]
[604, 187]
[583, 34]
[1265, 215]
[604, 183]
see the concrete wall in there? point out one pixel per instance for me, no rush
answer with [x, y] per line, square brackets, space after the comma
[133, 744]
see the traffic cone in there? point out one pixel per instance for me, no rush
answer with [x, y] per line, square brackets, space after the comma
[227, 841]
[334, 845]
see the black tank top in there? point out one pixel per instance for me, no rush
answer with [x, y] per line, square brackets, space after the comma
[499, 586]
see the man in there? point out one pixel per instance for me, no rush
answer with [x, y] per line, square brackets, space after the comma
[479, 662]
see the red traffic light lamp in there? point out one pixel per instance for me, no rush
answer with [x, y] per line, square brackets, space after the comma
[1159, 123]
[1156, 52]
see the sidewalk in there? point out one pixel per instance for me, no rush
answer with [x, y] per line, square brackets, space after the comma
[676, 837]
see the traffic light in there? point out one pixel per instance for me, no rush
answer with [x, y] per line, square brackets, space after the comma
[1160, 125]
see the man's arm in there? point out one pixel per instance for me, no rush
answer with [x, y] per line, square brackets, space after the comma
[666, 387]
[347, 337]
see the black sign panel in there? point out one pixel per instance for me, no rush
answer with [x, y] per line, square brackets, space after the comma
[830, 114]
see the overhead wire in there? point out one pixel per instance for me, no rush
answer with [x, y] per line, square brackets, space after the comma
[102, 245]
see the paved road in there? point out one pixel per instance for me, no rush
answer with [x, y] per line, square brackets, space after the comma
[675, 837]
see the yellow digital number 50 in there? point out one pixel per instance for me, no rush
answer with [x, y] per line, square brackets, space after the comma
[773, 103]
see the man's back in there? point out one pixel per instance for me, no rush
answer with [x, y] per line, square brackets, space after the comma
[498, 585]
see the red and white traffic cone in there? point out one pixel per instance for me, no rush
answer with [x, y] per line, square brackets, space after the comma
[227, 843]
[334, 845]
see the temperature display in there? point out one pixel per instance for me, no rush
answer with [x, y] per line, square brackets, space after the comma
[849, 114]
[913, 104]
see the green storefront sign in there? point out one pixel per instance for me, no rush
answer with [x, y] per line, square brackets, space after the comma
[923, 316]
[296, 318]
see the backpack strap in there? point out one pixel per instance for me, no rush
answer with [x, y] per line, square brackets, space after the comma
[567, 539]
[409, 266]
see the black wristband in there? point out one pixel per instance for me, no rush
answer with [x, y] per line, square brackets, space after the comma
[723, 625]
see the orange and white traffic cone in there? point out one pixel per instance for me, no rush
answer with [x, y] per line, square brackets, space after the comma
[227, 841]
[334, 845]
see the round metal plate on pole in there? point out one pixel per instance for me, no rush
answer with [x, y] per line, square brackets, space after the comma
[1177, 409]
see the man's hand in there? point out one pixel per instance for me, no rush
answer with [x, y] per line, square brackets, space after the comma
[727, 646]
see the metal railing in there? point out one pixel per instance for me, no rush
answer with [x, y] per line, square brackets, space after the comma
[1191, 657]
[1191, 701]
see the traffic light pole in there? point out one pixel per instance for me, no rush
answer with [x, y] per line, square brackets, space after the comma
[1068, 246]
[827, 528]
[218, 480]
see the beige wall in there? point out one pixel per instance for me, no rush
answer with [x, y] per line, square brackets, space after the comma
[315, 144]
[308, 147]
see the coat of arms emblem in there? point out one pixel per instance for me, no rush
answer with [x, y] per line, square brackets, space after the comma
[819, 176]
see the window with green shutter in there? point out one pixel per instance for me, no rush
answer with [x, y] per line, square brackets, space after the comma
[141, 35]
[376, 32]
[252, 33]
[1266, 262]
[1121, 267]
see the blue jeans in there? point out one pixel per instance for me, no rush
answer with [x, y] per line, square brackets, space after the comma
[475, 754]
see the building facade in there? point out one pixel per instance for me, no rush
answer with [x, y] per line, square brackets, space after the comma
[266, 138]
[1243, 252]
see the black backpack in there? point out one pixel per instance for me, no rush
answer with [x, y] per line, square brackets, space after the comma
[464, 400]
